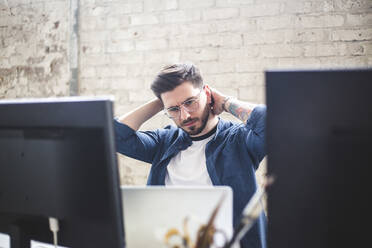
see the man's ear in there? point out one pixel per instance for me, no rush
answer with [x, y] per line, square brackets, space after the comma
[208, 92]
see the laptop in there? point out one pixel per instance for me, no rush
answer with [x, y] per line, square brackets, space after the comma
[150, 212]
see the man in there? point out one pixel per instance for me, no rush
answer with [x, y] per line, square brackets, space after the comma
[203, 149]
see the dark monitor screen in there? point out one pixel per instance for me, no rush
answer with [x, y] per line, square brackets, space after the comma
[58, 159]
[319, 146]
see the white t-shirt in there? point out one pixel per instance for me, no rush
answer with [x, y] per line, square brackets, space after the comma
[188, 167]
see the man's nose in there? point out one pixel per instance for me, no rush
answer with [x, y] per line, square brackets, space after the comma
[184, 114]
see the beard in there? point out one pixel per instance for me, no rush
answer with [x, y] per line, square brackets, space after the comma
[194, 130]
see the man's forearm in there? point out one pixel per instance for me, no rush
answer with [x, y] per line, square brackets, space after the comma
[138, 116]
[239, 109]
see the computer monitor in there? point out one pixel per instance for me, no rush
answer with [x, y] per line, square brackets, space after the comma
[58, 159]
[319, 149]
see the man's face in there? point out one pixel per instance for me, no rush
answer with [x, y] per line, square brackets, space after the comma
[193, 122]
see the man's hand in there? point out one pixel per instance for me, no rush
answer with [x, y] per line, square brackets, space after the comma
[239, 109]
[218, 100]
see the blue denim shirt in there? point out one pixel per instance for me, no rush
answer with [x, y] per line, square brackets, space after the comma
[232, 157]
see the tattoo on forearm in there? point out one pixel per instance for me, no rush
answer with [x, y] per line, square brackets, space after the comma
[239, 111]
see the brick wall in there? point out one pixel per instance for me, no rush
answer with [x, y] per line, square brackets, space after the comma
[124, 43]
[33, 48]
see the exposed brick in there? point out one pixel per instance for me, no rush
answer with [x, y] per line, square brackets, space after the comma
[223, 66]
[91, 84]
[163, 57]
[369, 62]
[185, 41]
[140, 95]
[352, 6]
[110, 71]
[195, 4]
[235, 80]
[236, 25]
[229, 91]
[161, 31]
[218, 14]
[116, 22]
[306, 35]
[257, 65]
[92, 48]
[151, 69]
[235, 3]
[368, 48]
[17, 3]
[359, 19]
[249, 93]
[95, 59]
[352, 34]
[4, 63]
[144, 19]
[126, 34]
[93, 23]
[280, 50]
[328, 49]
[197, 55]
[345, 62]
[88, 72]
[7, 52]
[135, 70]
[239, 53]
[319, 21]
[182, 16]
[198, 28]
[261, 10]
[122, 8]
[120, 46]
[159, 5]
[93, 10]
[358, 49]
[305, 7]
[125, 83]
[54, 9]
[222, 80]
[127, 58]
[264, 37]
[247, 79]
[298, 63]
[223, 40]
[95, 35]
[143, 45]
[296, 7]
[277, 22]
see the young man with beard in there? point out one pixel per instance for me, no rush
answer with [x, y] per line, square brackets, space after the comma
[203, 149]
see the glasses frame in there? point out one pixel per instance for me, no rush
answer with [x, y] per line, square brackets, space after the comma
[196, 98]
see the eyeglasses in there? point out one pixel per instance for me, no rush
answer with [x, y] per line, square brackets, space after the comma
[190, 105]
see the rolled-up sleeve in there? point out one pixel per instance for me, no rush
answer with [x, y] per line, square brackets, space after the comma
[255, 135]
[135, 144]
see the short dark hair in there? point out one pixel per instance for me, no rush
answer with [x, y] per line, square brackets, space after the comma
[171, 76]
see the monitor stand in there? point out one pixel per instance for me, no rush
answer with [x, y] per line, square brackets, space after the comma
[22, 233]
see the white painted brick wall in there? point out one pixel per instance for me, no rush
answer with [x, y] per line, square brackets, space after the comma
[363, 34]
[33, 49]
[180, 16]
[196, 4]
[219, 14]
[124, 43]
[270, 9]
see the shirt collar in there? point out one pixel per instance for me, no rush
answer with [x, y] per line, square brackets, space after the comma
[205, 136]
[184, 140]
